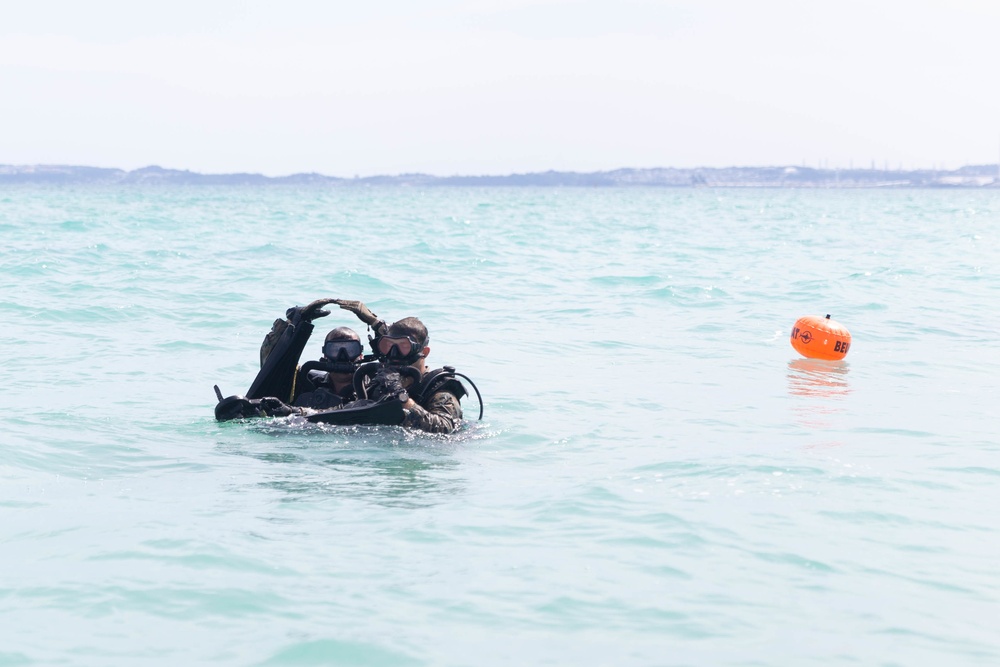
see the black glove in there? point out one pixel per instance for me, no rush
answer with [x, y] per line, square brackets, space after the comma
[239, 407]
[313, 311]
[236, 407]
[388, 384]
[273, 407]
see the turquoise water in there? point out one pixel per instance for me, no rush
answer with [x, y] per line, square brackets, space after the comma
[658, 479]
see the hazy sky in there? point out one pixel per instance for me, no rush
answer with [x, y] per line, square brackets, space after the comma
[498, 86]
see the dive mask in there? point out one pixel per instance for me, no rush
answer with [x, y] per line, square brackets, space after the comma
[400, 350]
[342, 350]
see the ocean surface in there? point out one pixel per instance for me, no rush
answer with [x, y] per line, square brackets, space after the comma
[658, 479]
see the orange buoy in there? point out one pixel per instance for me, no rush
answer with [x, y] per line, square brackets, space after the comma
[820, 338]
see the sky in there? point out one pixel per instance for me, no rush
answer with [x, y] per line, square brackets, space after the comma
[498, 87]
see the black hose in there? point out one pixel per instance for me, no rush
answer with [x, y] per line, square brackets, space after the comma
[478, 395]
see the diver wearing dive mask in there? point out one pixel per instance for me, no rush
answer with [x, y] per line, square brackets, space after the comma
[342, 353]
[433, 401]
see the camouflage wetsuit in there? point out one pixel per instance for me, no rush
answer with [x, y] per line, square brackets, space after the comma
[439, 413]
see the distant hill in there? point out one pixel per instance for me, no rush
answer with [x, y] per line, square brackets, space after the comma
[61, 174]
[795, 177]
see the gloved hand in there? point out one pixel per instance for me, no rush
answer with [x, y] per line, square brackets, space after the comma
[313, 311]
[361, 310]
[240, 407]
[237, 407]
[388, 383]
[273, 407]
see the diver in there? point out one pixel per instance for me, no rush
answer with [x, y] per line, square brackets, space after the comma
[431, 399]
[438, 409]
[332, 384]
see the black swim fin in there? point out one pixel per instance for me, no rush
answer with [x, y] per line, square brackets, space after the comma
[386, 412]
[277, 375]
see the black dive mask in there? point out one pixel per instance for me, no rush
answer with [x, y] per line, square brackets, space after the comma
[398, 350]
[342, 351]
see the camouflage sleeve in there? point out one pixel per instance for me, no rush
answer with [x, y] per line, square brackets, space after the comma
[442, 416]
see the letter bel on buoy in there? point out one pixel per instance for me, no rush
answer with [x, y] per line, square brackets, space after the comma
[820, 338]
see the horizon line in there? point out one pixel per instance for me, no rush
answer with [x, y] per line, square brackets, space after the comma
[13, 169]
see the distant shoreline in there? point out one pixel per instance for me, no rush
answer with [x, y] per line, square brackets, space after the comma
[761, 177]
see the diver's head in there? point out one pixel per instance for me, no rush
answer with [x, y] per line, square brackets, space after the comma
[343, 348]
[404, 344]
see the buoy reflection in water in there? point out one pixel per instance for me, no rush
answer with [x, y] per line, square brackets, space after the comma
[818, 388]
[819, 378]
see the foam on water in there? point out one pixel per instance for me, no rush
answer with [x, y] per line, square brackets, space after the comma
[658, 479]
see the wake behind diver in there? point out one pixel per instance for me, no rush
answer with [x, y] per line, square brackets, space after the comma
[389, 386]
